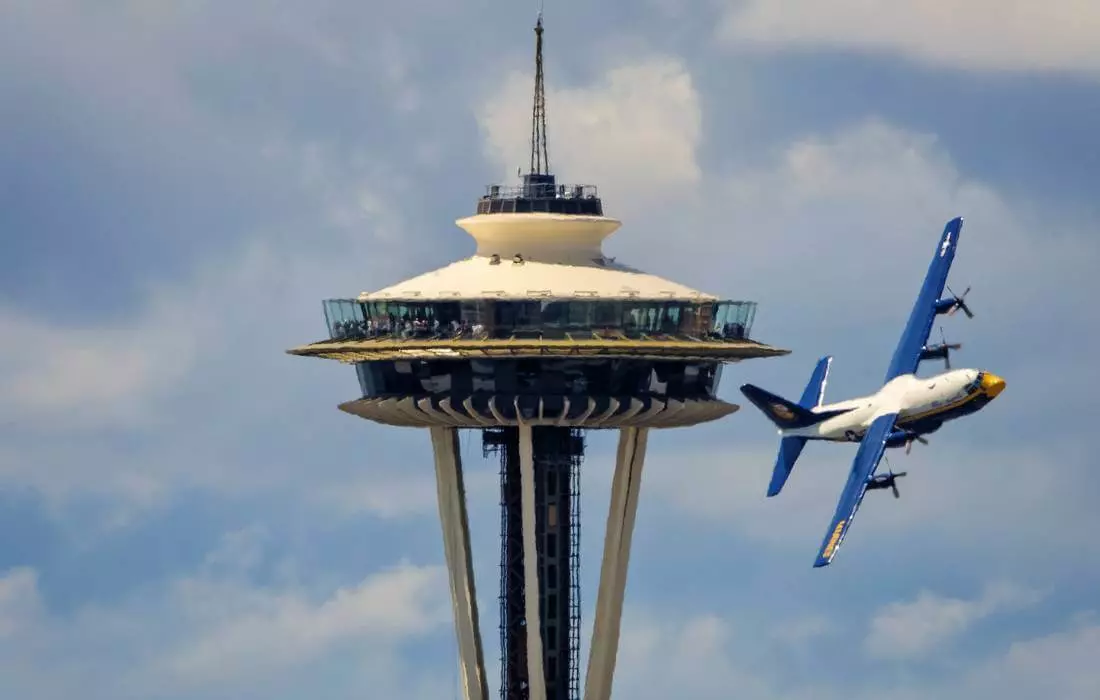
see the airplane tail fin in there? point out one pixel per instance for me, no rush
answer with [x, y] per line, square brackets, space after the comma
[787, 416]
[814, 395]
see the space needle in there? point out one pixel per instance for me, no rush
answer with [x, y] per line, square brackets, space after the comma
[534, 339]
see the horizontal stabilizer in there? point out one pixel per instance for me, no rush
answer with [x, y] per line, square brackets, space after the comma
[789, 450]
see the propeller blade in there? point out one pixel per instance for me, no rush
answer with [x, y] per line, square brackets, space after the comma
[960, 303]
[894, 487]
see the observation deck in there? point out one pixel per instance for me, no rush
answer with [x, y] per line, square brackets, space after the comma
[540, 193]
[362, 331]
[591, 363]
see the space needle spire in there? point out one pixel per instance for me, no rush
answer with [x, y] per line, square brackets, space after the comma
[540, 161]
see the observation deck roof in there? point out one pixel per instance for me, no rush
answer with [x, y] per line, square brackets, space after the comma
[485, 277]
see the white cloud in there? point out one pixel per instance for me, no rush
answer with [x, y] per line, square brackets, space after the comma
[701, 656]
[665, 656]
[19, 602]
[212, 633]
[634, 131]
[95, 374]
[801, 632]
[817, 212]
[199, 357]
[858, 211]
[913, 629]
[1060, 665]
[393, 495]
[250, 632]
[977, 34]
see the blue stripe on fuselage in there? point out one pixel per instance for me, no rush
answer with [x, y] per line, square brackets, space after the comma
[931, 419]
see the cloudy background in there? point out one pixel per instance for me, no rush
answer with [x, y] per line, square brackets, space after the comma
[185, 514]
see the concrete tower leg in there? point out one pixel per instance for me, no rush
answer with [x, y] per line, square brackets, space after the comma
[535, 675]
[456, 546]
[625, 487]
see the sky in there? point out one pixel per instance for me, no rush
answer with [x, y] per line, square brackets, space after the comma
[185, 514]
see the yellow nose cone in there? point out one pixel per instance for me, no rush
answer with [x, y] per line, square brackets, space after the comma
[992, 384]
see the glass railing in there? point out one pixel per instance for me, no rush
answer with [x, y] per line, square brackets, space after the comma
[488, 318]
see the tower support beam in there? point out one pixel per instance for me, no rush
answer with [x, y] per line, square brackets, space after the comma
[535, 674]
[451, 492]
[625, 488]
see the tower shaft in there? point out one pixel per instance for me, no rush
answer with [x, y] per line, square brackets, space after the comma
[451, 492]
[540, 594]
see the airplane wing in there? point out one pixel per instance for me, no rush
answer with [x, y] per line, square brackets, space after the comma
[867, 458]
[913, 338]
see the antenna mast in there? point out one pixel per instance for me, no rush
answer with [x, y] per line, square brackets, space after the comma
[540, 161]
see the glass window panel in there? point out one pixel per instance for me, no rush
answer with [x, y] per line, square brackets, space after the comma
[582, 314]
[687, 320]
[630, 318]
[554, 314]
[342, 312]
[671, 319]
[528, 315]
[330, 321]
[607, 314]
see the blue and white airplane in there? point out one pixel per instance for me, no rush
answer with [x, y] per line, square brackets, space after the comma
[905, 409]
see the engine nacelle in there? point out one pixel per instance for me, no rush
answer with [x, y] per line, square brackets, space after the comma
[899, 438]
[935, 352]
[945, 305]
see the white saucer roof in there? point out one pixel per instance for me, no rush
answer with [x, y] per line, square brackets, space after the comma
[538, 256]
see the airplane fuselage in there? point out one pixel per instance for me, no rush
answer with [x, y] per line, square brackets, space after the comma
[923, 404]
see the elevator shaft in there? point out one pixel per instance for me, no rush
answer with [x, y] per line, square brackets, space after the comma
[555, 455]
